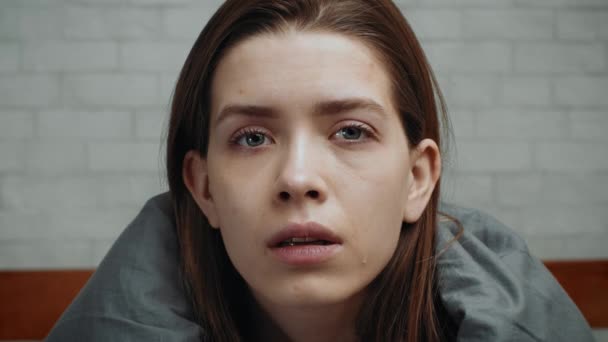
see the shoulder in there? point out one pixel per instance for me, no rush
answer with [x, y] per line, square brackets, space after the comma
[495, 289]
[136, 293]
[480, 230]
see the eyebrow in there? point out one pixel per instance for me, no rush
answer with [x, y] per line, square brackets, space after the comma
[323, 108]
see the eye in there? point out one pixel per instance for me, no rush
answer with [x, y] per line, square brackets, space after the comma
[354, 132]
[250, 137]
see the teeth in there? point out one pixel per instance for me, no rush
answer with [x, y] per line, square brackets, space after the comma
[300, 239]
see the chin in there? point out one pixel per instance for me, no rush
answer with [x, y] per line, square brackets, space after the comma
[302, 293]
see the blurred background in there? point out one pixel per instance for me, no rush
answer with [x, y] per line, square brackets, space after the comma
[85, 87]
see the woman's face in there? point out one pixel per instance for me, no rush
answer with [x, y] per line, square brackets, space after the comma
[303, 129]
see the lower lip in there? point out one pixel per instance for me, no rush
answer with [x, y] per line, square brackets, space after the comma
[304, 255]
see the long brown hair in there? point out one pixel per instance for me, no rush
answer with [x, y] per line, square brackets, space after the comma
[403, 302]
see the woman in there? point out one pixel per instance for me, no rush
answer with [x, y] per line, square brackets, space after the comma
[303, 159]
[317, 117]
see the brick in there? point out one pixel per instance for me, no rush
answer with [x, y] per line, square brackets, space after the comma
[40, 23]
[483, 155]
[16, 125]
[471, 57]
[55, 157]
[508, 24]
[76, 224]
[142, 157]
[70, 56]
[153, 56]
[575, 188]
[587, 246]
[546, 247]
[129, 191]
[9, 57]
[578, 246]
[576, 24]
[39, 194]
[33, 3]
[87, 125]
[9, 22]
[435, 24]
[472, 91]
[112, 23]
[549, 57]
[187, 23]
[565, 220]
[467, 190]
[111, 89]
[11, 156]
[168, 80]
[404, 2]
[581, 91]
[29, 90]
[161, 2]
[578, 157]
[463, 123]
[519, 189]
[150, 124]
[99, 2]
[45, 254]
[589, 125]
[525, 91]
[562, 3]
[521, 124]
[465, 3]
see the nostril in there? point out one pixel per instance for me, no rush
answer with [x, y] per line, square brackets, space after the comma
[314, 194]
[284, 195]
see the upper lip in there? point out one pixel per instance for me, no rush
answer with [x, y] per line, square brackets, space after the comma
[301, 230]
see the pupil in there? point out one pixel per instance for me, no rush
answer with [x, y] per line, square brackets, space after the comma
[351, 133]
[255, 139]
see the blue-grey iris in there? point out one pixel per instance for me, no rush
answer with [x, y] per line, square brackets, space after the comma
[255, 139]
[351, 133]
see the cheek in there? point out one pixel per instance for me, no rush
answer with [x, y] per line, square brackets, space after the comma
[238, 202]
[373, 203]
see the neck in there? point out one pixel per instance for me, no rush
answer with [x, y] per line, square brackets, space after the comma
[332, 322]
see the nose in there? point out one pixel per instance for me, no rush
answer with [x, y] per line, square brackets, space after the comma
[300, 174]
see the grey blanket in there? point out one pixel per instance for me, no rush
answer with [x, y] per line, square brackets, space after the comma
[493, 289]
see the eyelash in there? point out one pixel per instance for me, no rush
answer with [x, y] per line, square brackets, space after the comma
[248, 131]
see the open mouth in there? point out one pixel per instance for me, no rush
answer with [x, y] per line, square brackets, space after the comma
[296, 241]
[305, 244]
[309, 234]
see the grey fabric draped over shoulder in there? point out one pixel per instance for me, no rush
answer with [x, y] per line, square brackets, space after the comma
[492, 288]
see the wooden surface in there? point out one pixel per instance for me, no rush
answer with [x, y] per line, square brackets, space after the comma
[587, 284]
[32, 301]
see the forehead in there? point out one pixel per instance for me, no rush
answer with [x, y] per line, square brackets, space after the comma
[294, 70]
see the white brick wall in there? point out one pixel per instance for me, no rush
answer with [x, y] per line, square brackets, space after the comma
[111, 89]
[90, 23]
[582, 91]
[517, 24]
[20, 89]
[85, 87]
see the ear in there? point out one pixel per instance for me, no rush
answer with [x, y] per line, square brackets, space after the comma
[196, 179]
[423, 176]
